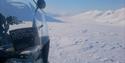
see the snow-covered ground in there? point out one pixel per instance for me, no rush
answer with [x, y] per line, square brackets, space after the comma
[84, 40]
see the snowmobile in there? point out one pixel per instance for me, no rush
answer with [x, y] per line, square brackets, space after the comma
[24, 45]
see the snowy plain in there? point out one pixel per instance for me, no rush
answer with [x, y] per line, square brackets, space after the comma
[89, 37]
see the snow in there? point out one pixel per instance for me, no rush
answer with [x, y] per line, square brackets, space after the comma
[84, 40]
[116, 17]
[21, 25]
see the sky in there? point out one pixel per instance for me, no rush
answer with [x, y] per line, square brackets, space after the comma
[74, 6]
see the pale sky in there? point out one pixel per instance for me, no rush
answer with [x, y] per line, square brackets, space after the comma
[73, 6]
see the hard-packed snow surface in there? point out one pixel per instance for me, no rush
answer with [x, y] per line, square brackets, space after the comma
[88, 41]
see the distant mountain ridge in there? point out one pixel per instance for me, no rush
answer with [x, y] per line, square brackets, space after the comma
[109, 16]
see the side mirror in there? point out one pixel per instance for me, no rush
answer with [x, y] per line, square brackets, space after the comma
[41, 4]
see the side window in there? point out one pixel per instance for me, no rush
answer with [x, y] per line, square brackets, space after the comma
[13, 20]
[5, 22]
[2, 24]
